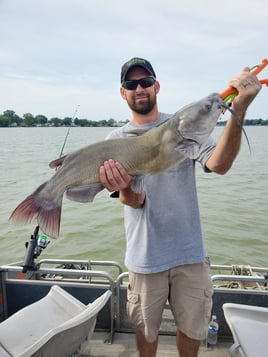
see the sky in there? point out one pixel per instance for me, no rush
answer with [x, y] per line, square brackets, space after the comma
[63, 57]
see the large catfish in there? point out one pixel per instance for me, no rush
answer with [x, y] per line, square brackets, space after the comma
[156, 150]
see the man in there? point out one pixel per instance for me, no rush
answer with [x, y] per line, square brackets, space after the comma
[165, 252]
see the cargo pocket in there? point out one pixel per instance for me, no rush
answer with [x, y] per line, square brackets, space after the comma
[133, 308]
[132, 298]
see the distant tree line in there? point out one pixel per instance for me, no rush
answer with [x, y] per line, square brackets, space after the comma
[10, 119]
[249, 122]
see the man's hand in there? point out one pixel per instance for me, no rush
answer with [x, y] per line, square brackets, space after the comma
[248, 86]
[114, 177]
[223, 156]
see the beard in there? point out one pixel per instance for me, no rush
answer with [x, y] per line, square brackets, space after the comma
[143, 106]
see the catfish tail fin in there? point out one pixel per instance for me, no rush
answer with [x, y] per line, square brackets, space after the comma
[48, 217]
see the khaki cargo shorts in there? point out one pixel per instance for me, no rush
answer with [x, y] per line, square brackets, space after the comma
[188, 288]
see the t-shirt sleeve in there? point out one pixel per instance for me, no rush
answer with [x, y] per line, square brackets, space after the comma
[205, 152]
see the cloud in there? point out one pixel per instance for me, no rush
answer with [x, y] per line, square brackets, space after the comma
[55, 54]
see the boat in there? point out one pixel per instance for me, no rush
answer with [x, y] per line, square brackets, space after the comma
[22, 284]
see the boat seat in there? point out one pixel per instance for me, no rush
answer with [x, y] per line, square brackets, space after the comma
[249, 327]
[55, 325]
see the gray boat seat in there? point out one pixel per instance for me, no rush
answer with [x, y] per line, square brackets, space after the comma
[249, 327]
[56, 325]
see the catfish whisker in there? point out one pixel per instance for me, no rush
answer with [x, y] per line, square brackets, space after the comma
[225, 107]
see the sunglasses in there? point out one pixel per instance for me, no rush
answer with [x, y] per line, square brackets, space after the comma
[143, 82]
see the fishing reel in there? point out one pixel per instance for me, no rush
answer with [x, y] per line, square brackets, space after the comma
[34, 248]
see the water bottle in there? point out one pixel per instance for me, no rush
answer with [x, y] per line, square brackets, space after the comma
[213, 328]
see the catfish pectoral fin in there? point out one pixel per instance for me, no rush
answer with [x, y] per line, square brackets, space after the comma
[84, 193]
[48, 218]
[189, 149]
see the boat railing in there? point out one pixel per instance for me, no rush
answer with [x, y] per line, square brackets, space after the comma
[248, 287]
[121, 292]
[240, 269]
[114, 267]
[256, 283]
[223, 277]
[239, 277]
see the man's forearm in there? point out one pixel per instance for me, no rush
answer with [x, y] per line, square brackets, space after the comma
[223, 156]
[227, 147]
[131, 198]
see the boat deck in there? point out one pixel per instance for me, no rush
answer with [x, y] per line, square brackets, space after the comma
[124, 346]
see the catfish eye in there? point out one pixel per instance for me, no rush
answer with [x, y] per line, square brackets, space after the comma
[206, 107]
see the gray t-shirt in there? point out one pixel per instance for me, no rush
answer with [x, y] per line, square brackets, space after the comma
[166, 231]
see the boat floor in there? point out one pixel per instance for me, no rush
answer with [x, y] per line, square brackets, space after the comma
[124, 346]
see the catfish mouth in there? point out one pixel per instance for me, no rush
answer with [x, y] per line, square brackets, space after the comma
[190, 140]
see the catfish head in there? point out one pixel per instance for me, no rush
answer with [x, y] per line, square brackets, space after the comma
[198, 120]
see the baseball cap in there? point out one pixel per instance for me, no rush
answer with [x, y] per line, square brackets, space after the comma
[136, 62]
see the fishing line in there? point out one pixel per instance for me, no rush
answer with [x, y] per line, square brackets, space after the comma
[227, 107]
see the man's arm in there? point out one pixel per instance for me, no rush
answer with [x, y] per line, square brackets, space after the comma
[115, 178]
[227, 148]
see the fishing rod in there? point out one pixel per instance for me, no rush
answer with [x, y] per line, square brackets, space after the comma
[67, 134]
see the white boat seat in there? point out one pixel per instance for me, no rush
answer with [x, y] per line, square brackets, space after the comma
[249, 327]
[56, 325]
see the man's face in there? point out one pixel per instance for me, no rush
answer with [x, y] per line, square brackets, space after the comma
[140, 100]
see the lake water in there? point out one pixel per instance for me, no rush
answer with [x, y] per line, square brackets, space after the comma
[234, 207]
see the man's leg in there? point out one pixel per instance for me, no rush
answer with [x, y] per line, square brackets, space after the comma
[191, 301]
[147, 295]
[187, 346]
[146, 349]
